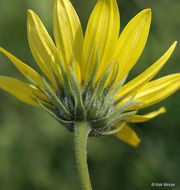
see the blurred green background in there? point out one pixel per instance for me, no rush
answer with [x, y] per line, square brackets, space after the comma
[37, 154]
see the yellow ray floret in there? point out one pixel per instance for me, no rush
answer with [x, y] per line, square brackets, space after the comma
[128, 135]
[27, 71]
[157, 90]
[102, 29]
[132, 41]
[146, 117]
[20, 90]
[68, 33]
[41, 45]
[147, 75]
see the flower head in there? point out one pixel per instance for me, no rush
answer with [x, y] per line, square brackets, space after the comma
[83, 77]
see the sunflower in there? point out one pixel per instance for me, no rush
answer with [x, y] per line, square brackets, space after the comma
[83, 80]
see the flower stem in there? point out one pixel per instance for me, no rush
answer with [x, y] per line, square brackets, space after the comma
[81, 133]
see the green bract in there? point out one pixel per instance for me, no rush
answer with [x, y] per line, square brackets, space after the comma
[92, 102]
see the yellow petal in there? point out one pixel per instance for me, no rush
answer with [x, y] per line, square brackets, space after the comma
[146, 117]
[128, 135]
[40, 96]
[103, 30]
[20, 90]
[147, 75]
[132, 41]
[77, 71]
[41, 44]
[157, 90]
[24, 69]
[68, 32]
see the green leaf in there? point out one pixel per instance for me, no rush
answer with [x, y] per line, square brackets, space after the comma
[112, 80]
[114, 131]
[110, 120]
[99, 88]
[56, 101]
[67, 85]
[91, 81]
[58, 81]
[79, 107]
[39, 88]
[109, 98]
[116, 119]
[50, 112]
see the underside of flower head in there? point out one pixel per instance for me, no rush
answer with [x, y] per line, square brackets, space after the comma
[83, 76]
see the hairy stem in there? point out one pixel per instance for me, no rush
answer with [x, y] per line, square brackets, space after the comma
[81, 133]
